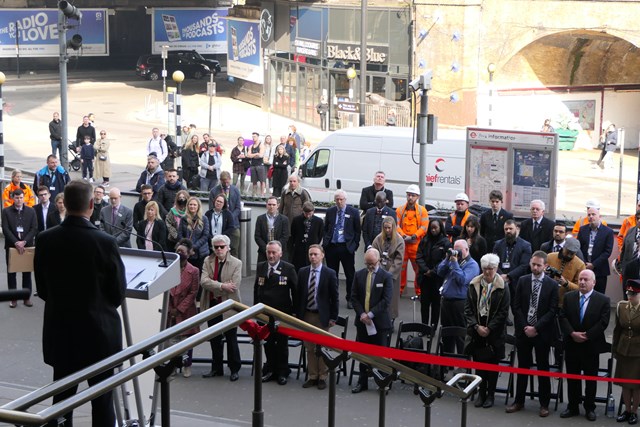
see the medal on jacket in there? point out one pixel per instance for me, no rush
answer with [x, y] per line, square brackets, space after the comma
[260, 281]
[282, 281]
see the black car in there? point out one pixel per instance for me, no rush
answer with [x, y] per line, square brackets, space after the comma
[150, 66]
[194, 56]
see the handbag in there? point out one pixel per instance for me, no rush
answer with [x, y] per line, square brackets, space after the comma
[270, 172]
[102, 157]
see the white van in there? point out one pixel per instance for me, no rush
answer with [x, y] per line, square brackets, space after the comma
[349, 158]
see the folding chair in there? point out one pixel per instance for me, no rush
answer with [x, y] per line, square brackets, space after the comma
[510, 361]
[606, 371]
[556, 364]
[449, 332]
[344, 322]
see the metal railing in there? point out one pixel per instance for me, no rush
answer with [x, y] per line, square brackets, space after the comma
[461, 386]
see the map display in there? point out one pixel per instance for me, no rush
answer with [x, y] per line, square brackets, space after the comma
[531, 177]
[487, 172]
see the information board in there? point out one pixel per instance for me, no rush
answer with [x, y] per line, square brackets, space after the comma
[487, 172]
[201, 29]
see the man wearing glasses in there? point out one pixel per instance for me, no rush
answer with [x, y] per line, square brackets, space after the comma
[98, 204]
[42, 208]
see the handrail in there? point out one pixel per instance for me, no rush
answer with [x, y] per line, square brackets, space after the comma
[13, 411]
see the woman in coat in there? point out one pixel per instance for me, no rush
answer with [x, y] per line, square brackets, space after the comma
[391, 247]
[182, 299]
[477, 243]
[103, 160]
[486, 310]
[626, 350]
[152, 228]
[280, 175]
[57, 215]
[195, 228]
[190, 163]
[220, 218]
[432, 249]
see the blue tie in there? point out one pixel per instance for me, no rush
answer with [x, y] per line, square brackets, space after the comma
[339, 226]
[582, 301]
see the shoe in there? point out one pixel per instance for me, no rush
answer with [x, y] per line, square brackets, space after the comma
[488, 403]
[544, 411]
[349, 305]
[105, 184]
[282, 380]
[186, 371]
[633, 419]
[480, 400]
[590, 415]
[268, 377]
[234, 377]
[310, 383]
[28, 303]
[13, 304]
[568, 413]
[514, 407]
[322, 384]
[91, 180]
[212, 374]
[623, 417]
[359, 388]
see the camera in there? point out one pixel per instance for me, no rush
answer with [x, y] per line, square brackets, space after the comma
[452, 252]
[553, 272]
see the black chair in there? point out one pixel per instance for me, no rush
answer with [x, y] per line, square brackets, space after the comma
[510, 361]
[344, 322]
[449, 332]
[606, 371]
[556, 364]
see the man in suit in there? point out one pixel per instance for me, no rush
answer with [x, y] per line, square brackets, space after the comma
[19, 226]
[98, 204]
[559, 240]
[372, 223]
[234, 204]
[596, 243]
[276, 285]
[514, 254]
[371, 299]
[220, 281]
[492, 220]
[118, 216]
[318, 306]
[584, 317]
[271, 226]
[537, 229]
[42, 208]
[534, 313]
[306, 230]
[342, 238]
[81, 321]
[368, 195]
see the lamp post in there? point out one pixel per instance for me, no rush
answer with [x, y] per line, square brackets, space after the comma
[351, 75]
[178, 77]
[491, 68]
[165, 50]
[2, 80]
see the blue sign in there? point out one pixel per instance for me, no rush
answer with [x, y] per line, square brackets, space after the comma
[203, 30]
[34, 32]
[244, 55]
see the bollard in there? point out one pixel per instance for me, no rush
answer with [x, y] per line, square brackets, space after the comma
[244, 251]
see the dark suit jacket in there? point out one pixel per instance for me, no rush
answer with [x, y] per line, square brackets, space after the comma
[492, 233]
[81, 321]
[124, 220]
[351, 227]
[279, 291]
[299, 243]
[594, 323]
[547, 308]
[368, 197]
[280, 233]
[326, 294]
[602, 248]
[518, 258]
[379, 300]
[11, 221]
[369, 221]
[53, 218]
[547, 247]
[544, 233]
[159, 235]
[39, 217]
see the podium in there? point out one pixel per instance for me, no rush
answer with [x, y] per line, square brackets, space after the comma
[144, 312]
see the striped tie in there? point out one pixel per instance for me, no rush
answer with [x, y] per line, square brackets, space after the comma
[533, 303]
[311, 294]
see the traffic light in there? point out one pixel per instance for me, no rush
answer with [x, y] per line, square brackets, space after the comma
[75, 43]
[69, 10]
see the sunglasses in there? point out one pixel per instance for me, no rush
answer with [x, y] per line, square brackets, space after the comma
[102, 133]
[219, 246]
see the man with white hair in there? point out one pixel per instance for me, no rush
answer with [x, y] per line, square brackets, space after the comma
[537, 229]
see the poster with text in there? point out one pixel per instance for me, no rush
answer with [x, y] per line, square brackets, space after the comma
[203, 30]
[34, 33]
[244, 56]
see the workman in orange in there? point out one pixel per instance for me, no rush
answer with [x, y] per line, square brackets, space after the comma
[627, 224]
[595, 204]
[455, 222]
[413, 223]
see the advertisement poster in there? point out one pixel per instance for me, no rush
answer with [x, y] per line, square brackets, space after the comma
[203, 30]
[34, 33]
[244, 55]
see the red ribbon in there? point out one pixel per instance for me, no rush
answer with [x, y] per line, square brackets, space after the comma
[254, 330]
[412, 356]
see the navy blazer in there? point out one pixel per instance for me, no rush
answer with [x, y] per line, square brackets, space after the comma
[594, 323]
[280, 232]
[518, 258]
[491, 232]
[369, 220]
[543, 234]
[351, 227]
[379, 300]
[547, 307]
[326, 294]
[602, 248]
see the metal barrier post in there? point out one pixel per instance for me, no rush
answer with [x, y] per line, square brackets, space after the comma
[332, 363]
[427, 398]
[383, 381]
[245, 241]
[258, 413]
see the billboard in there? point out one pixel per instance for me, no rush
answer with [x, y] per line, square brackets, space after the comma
[34, 32]
[200, 29]
[244, 55]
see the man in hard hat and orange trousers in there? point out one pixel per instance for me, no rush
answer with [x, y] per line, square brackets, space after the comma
[413, 223]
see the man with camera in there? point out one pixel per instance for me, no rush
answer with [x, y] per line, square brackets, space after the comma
[458, 268]
[564, 267]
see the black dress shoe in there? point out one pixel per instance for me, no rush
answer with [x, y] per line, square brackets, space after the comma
[310, 383]
[590, 415]
[212, 374]
[322, 384]
[358, 388]
[488, 403]
[568, 413]
[480, 400]
[282, 380]
[234, 377]
[633, 419]
[268, 377]
[623, 417]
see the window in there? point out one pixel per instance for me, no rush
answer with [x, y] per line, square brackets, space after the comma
[317, 165]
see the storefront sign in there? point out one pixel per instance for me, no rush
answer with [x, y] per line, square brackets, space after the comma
[201, 29]
[307, 47]
[348, 107]
[266, 25]
[244, 50]
[347, 52]
[37, 32]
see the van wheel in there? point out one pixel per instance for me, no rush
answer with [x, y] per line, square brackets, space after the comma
[153, 76]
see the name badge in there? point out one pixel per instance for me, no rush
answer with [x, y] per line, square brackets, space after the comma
[305, 235]
[120, 215]
[506, 265]
[385, 253]
[379, 285]
[19, 229]
[347, 215]
[260, 281]
[52, 188]
[340, 232]
[97, 222]
[278, 272]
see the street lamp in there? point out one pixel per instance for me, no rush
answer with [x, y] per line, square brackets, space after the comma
[491, 68]
[178, 77]
[2, 80]
[165, 50]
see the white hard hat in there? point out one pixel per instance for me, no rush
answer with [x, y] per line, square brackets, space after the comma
[413, 189]
[593, 203]
[461, 197]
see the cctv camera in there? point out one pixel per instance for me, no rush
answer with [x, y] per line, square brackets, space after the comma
[415, 85]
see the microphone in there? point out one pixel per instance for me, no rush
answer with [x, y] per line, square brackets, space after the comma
[164, 263]
[14, 295]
